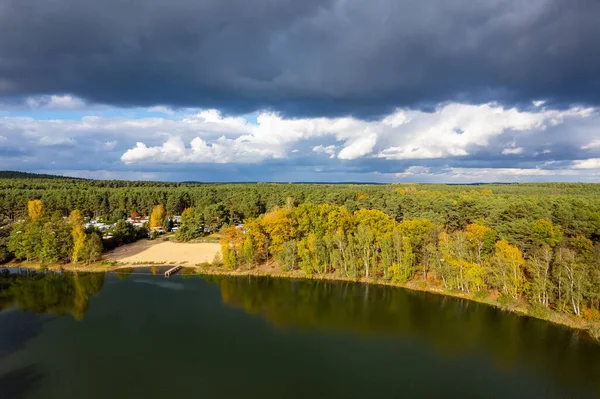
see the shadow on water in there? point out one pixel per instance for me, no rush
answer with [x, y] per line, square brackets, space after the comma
[16, 329]
[18, 383]
[454, 327]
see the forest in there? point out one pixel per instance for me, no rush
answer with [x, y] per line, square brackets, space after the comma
[537, 243]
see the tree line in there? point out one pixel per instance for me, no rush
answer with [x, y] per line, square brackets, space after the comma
[548, 268]
[53, 239]
[508, 209]
[535, 241]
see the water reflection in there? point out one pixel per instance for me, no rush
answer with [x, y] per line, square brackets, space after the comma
[371, 325]
[453, 326]
[49, 293]
[18, 383]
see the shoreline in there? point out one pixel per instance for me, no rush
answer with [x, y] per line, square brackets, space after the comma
[589, 327]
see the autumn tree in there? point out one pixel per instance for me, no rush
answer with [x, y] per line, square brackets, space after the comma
[249, 253]
[545, 237]
[35, 209]
[280, 227]
[402, 268]
[78, 235]
[575, 262]
[157, 217]
[507, 269]
[232, 240]
[538, 266]
[476, 235]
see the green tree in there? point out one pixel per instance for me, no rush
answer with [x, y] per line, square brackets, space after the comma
[288, 257]
[189, 227]
[215, 216]
[93, 248]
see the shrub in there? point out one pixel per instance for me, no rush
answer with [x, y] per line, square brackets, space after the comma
[217, 260]
[591, 314]
[481, 295]
[538, 310]
[506, 301]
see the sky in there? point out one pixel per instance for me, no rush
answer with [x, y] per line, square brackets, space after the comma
[429, 91]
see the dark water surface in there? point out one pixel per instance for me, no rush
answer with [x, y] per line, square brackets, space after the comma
[144, 336]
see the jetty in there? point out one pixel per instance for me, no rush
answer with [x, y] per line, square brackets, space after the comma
[172, 271]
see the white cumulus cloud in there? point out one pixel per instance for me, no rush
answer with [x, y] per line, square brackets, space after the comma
[329, 150]
[592, 163]
[592, 145]
[513, 151]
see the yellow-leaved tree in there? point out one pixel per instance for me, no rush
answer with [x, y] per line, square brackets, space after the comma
[279, 226]
[232, 241]
[476, 235]
[508, 267]
[157, 217]
[78, 234]
[35, 209]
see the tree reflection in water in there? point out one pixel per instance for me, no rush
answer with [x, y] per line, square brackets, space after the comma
[452, 326]
[49, 293]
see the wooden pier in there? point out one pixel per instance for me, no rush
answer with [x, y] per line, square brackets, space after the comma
[172, 271]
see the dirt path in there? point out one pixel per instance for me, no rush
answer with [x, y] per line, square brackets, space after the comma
[164, 251]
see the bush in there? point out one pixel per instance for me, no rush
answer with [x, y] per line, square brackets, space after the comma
[591, 314]
[481, 295]
[538, 310]
[595, 331]
[506, 301]
[217, 260]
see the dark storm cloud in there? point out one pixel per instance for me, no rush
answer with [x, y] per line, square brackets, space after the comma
[305, 57]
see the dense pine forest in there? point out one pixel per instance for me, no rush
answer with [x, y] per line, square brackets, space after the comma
[533, 243]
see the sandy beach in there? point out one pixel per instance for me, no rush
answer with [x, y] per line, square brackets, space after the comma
[164, 251]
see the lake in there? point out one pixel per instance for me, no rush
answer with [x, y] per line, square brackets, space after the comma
[139, 335]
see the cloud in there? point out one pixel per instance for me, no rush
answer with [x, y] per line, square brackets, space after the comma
[55, 102]
[457, 129]
[414, 171]
[592, 163]
[500, 175]
[403, 145]
[222, 150]
[592, 145]
[161, 109]
[302, 58]
[360, 146]
[513, 151]
[454, 130]
[329, 150]
[109, 145]
[55, 141]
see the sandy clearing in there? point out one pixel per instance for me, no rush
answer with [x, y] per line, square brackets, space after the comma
[164, 251]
